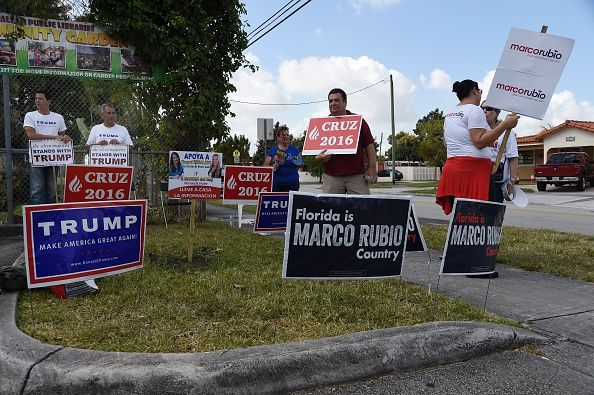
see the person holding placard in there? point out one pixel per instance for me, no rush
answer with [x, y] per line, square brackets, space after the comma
[346, 173]
[284, 157]
[109, 132]
[466, 134]
[44, 124]
[508, 168]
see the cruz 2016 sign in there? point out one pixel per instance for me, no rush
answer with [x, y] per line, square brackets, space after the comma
[336, 135]
[91, 183]
[71, 242]
[473, 237]
[243, 184]
[345, 236]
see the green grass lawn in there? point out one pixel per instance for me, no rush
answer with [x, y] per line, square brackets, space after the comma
[231, 296]
[562, 254]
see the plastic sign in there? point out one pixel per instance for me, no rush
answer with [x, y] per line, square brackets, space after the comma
[195, 175]
[271, 215]
[345, 236]
[108, 155]
[243, 184]
[415, 238]
[473, 237]
[72, 242]
[536, 53]
[93, 183]
[336, 135]
[529, 69]
[43, 153]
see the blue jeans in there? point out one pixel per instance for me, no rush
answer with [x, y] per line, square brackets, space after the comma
[42, 185]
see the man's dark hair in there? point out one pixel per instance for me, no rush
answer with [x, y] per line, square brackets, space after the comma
[281, 129]
[44, 92]
[338, 90]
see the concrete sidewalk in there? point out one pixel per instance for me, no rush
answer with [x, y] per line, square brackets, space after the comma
[556, 307]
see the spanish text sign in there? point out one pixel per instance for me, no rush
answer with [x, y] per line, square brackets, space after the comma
[473, 237]
[92, 183]
[43, 153]
[336, 135]
[243, 184]
[71, 242]
[271, 215]
[108, 155]
[195, 175]
[345, 236]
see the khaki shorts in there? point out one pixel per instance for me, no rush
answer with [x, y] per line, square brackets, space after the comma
[354, 184]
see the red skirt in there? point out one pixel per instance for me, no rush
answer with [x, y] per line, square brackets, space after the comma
[463, 177]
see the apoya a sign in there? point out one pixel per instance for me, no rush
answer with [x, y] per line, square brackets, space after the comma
[91, 183]
[243, 184]
[336, 135]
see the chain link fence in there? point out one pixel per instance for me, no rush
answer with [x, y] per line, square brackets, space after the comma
[79, 103]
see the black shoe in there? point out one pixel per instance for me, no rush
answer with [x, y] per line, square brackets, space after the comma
[488, 275]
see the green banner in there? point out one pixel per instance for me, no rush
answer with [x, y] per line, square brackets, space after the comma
[65, 48]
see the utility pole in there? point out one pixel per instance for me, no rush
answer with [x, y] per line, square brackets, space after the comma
[393, 128]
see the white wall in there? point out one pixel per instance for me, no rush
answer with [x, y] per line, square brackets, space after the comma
[558, 140]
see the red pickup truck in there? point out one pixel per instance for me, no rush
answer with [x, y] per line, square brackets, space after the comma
[563, 168]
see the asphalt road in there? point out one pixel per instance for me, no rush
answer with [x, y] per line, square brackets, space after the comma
[561, 209]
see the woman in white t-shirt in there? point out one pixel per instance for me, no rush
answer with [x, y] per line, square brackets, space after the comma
[466, 134]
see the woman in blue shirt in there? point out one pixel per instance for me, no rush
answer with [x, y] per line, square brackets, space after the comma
[286, 160]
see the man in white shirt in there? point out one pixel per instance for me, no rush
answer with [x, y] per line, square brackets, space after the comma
[44, 125]
[109, 132]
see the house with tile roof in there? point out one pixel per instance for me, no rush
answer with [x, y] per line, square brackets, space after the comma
[570, 136]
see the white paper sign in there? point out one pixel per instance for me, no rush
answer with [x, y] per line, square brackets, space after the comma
[522, 93]
[536, 53]
[528, 72]
[108, 155]
[43, 153]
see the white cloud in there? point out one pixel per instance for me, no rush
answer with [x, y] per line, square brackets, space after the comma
[318, 31]
[359, 4]
[310, 79]
[563, 106]
[253, 59]
[438, 79]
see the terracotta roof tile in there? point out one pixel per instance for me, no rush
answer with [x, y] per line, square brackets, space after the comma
[587, 126]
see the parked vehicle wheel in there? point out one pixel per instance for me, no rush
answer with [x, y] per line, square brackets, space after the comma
[541, 186]
[581, 184]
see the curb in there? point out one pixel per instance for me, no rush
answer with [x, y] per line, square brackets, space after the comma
[28, 366]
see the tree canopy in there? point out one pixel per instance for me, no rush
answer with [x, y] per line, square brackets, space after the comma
[429, 129]
[231, 143]
[194, 46]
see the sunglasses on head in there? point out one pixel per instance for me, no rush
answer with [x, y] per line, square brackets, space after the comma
[488, 108]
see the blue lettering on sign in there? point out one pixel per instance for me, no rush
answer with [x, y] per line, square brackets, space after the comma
[196, 156]
[67, 241]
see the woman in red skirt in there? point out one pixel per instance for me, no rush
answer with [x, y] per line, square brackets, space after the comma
[468, 166]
